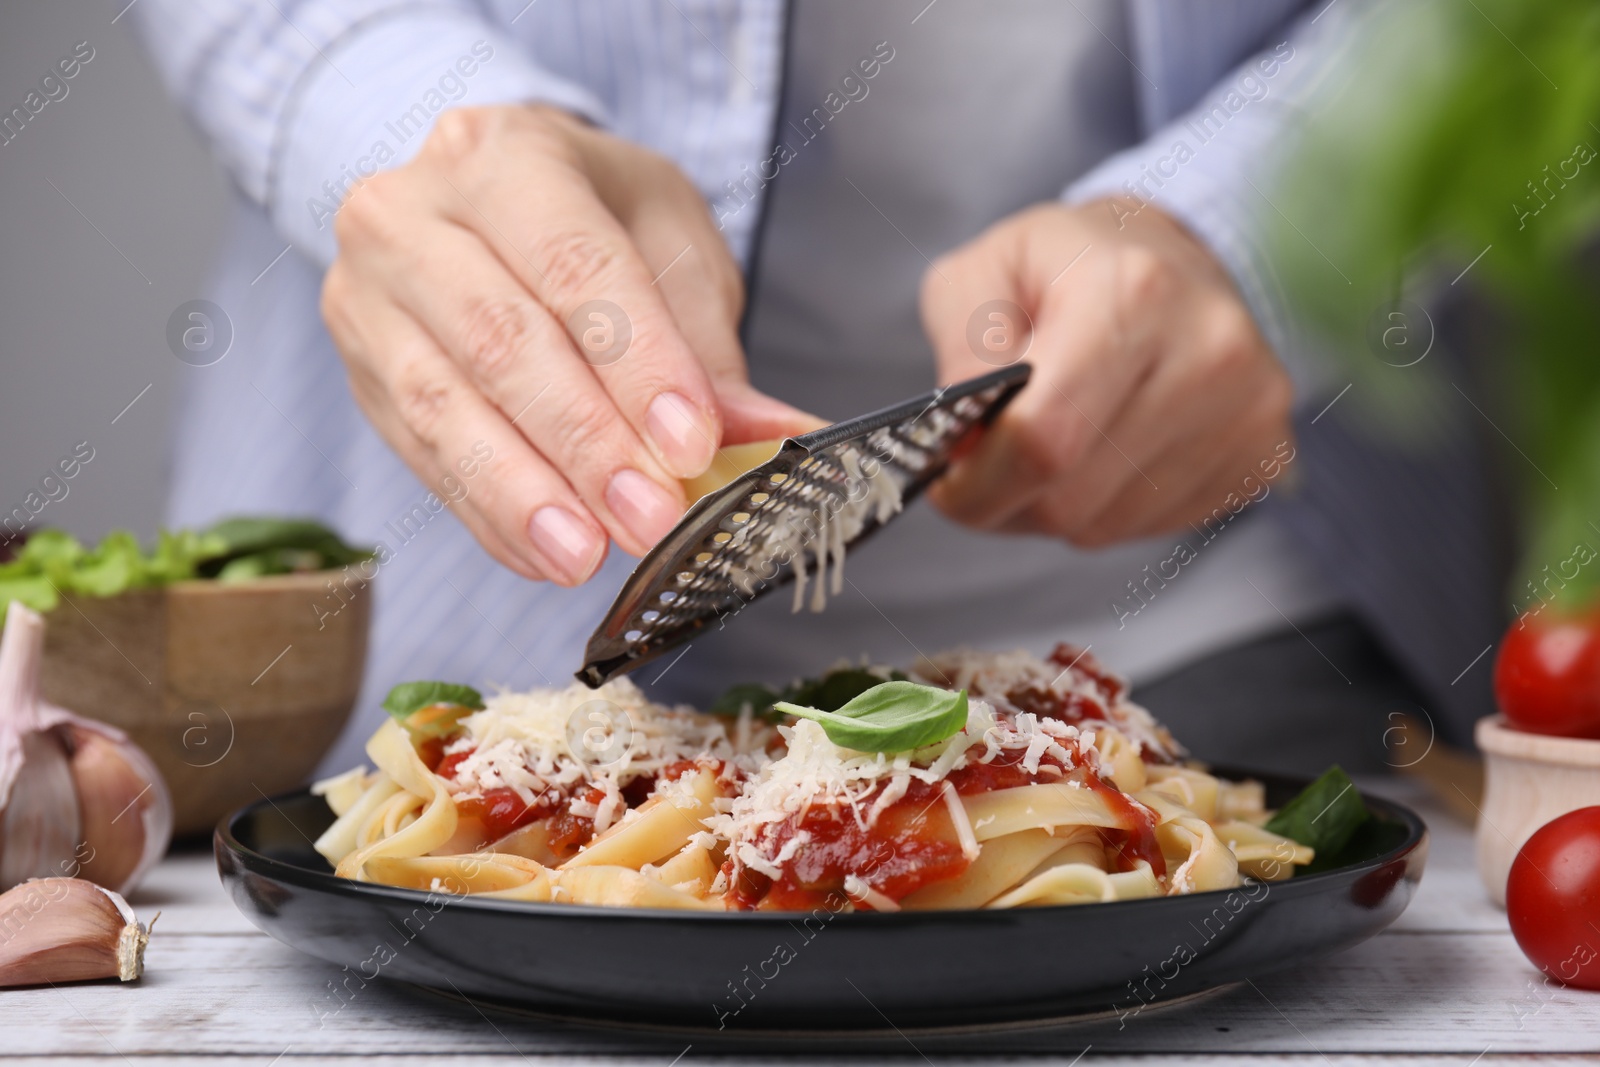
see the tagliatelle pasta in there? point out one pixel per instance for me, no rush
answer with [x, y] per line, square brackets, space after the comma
[1059, 790]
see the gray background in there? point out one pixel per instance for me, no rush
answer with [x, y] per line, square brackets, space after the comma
[83, 314]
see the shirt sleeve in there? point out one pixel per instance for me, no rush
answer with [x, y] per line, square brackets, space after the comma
[1211, 168]
[303, 101]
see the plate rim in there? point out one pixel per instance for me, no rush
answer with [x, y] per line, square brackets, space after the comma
[225, 840]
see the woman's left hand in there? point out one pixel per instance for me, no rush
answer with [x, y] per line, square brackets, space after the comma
[1153, 395]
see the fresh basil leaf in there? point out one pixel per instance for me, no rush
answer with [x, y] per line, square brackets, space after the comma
[408, 698]
[827, 693]
[270, 561]
[758, 698]
[833, 690]
[889, 717]
[245, 568]
[319, 546]
[1325, 815]
[247, 534]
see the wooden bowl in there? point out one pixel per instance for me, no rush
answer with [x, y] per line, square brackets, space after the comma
[235, 690]
[1531, 779]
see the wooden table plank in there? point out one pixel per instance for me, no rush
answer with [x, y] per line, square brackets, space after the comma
[1451, 897]
[1419, 992]
[187, 892]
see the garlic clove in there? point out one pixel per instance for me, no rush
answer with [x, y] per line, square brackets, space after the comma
[40, 826]
[134, 819]
[114, 799]
[76, 796]
[68, 930]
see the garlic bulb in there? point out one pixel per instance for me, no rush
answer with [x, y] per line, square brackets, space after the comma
[77, 797]
[68, 930]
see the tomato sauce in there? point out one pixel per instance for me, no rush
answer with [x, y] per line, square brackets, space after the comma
[448, 765]
[1070, 708]
[569, 832]
[912, 844]
[1111, 687]
[431, 752]
[673, 771]
[503, 810]
[1138, 843]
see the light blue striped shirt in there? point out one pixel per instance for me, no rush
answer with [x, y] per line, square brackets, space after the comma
[303, 100]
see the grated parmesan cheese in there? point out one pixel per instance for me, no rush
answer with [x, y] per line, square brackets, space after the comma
[815, 772]
[866, 498]
[568, 740]
[993, 674]
[857, 889]
[963, 825]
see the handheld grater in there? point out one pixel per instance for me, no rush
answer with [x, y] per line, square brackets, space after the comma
[821, 493]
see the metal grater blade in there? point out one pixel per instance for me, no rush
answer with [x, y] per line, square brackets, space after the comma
[823, 487]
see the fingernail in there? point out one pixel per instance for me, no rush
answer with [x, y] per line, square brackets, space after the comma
[566, 542]
[645, 508]
[680, 434]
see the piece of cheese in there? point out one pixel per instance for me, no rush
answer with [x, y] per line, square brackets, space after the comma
[730, 462]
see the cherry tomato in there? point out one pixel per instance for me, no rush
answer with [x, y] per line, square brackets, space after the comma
[1553, 898]
[1547, 674]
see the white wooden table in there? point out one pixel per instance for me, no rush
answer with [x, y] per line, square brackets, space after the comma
[1445, 984]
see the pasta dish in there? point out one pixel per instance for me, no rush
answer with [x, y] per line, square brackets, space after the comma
[973, 780]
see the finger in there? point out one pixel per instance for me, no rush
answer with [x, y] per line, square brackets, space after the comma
[1215, 393]
[526, 515]
[968, 303]
[969, 307]
[521, 359]
[567, 249]
[704, 293]
[1088, 360]
[1147, 459]
[1217, 488]
[690, 267]
[372, 398]
[1237, 469]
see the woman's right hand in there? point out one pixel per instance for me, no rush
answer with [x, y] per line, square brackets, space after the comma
[561, 295]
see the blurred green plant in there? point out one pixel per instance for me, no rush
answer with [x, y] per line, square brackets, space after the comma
[53, 562]
[1462, 129]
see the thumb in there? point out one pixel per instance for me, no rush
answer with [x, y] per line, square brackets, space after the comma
[708, 317]
[703, 293]
[747, 413]
[751, 415]
[973, 311]
[976, 317]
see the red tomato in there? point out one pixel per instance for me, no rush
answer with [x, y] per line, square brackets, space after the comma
[1547, 674]
[1553, 898]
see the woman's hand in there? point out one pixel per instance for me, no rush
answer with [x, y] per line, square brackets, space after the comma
[1153, 394]
[561, 295]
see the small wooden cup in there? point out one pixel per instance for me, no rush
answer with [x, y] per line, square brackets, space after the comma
[1531, 779]
[235, 690]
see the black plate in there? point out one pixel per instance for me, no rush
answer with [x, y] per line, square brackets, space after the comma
[758, 971]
